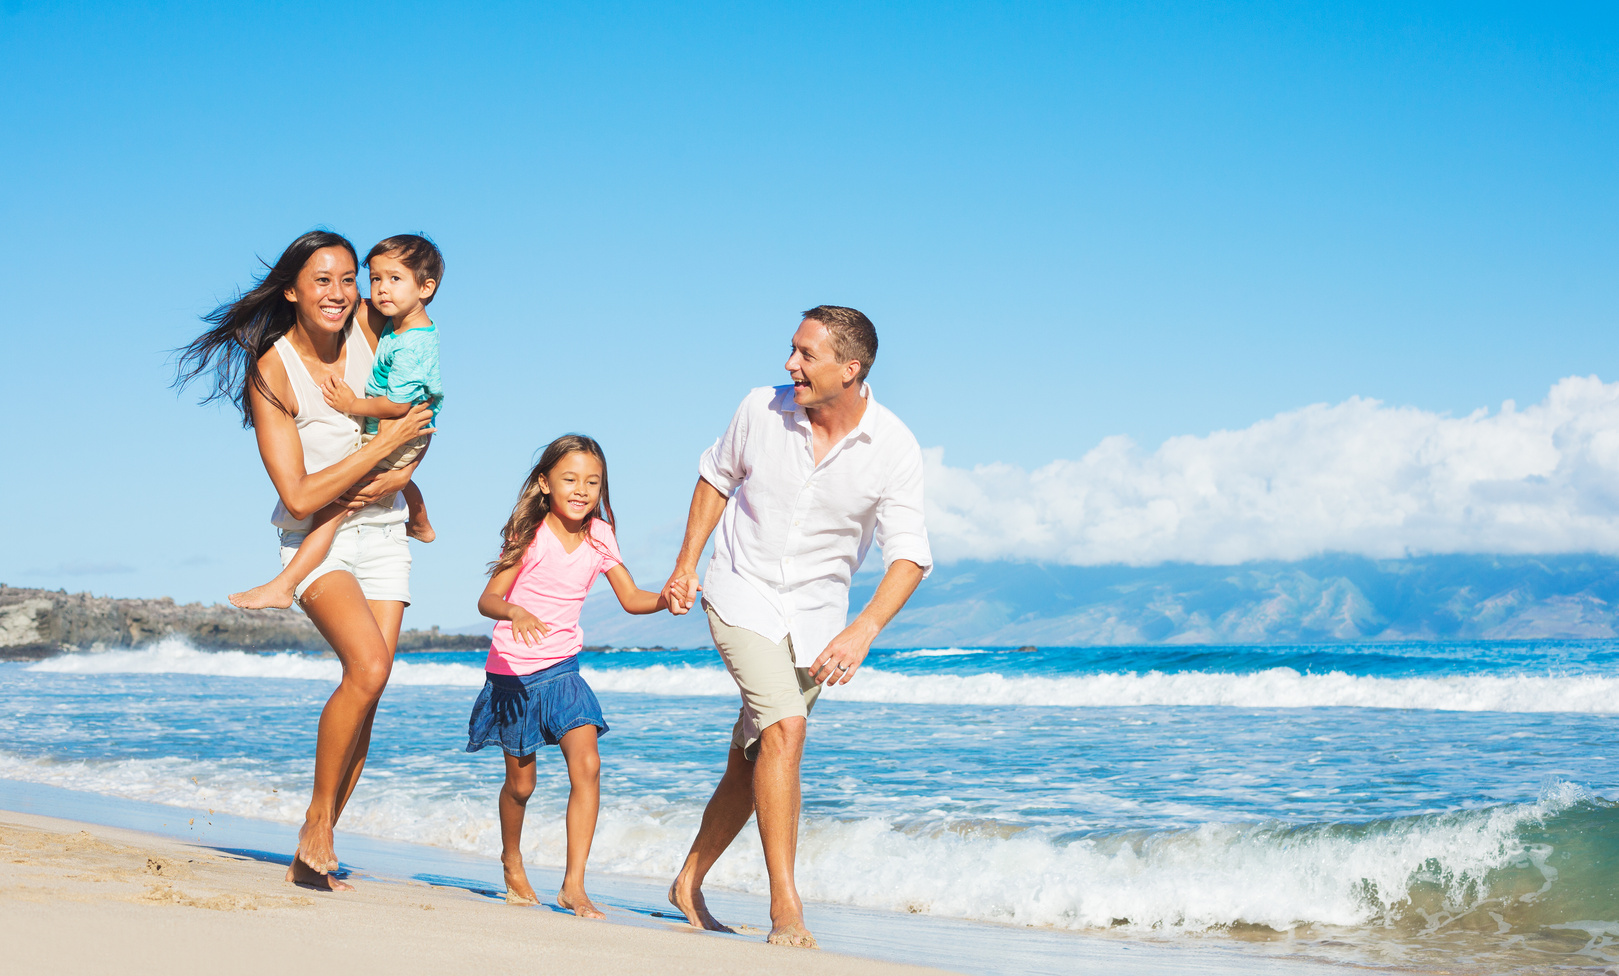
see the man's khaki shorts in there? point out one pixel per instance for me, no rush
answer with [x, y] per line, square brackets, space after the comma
[772, 688]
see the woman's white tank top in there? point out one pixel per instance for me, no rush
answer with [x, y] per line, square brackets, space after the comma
[326, 435]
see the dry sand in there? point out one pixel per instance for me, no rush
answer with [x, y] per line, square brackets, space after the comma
[82, 898]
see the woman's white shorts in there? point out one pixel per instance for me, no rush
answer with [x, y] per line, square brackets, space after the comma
[377, 555]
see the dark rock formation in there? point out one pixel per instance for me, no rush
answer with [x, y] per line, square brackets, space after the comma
[39, 623]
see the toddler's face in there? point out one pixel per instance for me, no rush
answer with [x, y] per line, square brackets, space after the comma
[575, 486]
[394, 289]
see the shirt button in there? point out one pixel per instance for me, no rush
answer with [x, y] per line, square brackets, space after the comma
[795, 521]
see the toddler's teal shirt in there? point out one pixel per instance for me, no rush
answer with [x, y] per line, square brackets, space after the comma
[406, 370]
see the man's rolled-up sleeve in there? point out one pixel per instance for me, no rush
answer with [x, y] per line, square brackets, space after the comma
[901, 531]
[722, 465]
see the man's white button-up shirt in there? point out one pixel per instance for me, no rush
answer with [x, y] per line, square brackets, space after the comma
[794, 532]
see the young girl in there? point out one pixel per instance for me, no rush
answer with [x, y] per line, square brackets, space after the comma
[560, 535]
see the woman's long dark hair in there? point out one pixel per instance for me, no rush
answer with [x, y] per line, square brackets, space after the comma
[533, 504]
[245, 329]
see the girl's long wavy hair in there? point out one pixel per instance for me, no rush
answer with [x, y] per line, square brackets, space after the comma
[246, 328]
[533, 504]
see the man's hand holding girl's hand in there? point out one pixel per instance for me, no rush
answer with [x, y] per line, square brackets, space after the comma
[339, 395]
[681, 591]
[526, 627]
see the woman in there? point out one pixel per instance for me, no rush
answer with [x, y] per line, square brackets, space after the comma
[268, 351]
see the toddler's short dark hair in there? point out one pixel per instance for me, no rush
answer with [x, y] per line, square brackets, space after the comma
[416, 252]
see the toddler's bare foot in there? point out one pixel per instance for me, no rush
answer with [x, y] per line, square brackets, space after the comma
[791, 932]
[302, 874]
[419, 528]
[575, 900]
[271, 594]
[518, 890]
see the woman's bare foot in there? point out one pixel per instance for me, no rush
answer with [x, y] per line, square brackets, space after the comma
[302, 874]
[269, 595]
[518, 890]
[689, 899]
[315, 847]
[419, 528]
[791, 932]
[575, 900]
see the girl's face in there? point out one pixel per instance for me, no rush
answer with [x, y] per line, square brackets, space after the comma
[575, 486]
[325, 292]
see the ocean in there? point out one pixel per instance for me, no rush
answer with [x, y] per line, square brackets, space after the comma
[1412, 805]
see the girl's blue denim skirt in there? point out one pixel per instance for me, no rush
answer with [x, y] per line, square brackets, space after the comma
[522, 712]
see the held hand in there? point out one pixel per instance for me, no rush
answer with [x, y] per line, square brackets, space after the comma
[353, 500]
[377, 484]
[527, 628]
[339, 395]
[838, 663]
[681, 591]
[400, 431]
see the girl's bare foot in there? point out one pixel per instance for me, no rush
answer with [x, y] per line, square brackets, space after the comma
[302, 874]
[791, 932]
[518, 890]
[419, 528]
[263, 597]
[575, 900]
[315, 847]
[689, 899]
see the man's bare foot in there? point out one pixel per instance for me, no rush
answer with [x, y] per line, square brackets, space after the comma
[305, 876]
[689, 899]
[518, 890]
[263, 597]
[576, 901]
[315, 847]
[792, 933]
[419, 528]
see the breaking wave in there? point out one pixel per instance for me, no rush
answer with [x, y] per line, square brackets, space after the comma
[1269, 688]
[1490, 868]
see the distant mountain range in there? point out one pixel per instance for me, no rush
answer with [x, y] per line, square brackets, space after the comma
[1326, 599]
[1000, 604]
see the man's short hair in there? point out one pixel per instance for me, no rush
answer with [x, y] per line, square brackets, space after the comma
[415, 252]
[853, 335]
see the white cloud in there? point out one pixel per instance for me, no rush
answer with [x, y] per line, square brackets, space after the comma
[1355, 477]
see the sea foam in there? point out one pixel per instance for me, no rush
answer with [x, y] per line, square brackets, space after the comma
[1165, 881]
[1269, 688]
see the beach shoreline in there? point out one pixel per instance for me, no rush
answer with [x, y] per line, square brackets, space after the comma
[82, 897]
[79, 896]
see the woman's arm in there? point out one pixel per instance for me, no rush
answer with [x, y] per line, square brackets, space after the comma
[631, 597]
[525, 626]
[301, 492]
[375, 484]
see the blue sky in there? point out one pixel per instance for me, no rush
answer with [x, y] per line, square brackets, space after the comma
[1067, 221]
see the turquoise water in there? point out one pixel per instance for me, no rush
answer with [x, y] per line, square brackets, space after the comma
[1398, 804]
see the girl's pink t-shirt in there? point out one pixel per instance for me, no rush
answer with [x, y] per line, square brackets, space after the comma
[551, 584]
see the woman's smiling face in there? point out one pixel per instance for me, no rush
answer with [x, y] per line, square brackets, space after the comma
[325, 292]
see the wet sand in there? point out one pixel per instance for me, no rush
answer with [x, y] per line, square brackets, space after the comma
[83, 898]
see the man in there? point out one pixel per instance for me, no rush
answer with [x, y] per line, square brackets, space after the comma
[806, 477]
